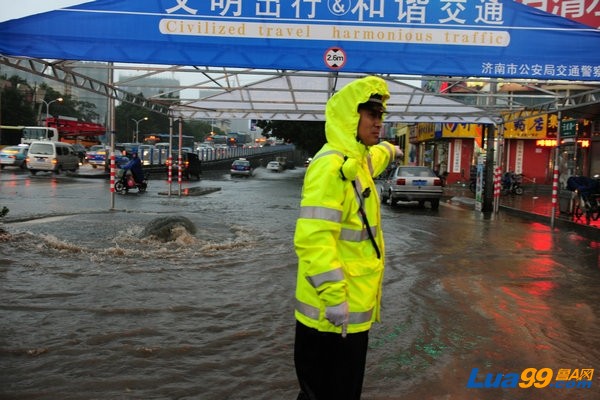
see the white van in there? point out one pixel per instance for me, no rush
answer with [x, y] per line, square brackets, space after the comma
[51, 156]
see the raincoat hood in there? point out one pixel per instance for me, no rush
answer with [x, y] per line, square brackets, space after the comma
[341, 114]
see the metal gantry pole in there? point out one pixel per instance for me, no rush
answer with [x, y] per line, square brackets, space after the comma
[488, 193]
[170, 155]
[111, 120]
[555, 174]
[498, 168]
[179, 157]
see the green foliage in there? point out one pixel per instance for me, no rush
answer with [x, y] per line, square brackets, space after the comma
[64, 108]
[127, 113]
[307, 135]
[16, 106]
[86, 111]
[200, 129]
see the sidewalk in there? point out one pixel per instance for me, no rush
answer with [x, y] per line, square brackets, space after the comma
[534, 204]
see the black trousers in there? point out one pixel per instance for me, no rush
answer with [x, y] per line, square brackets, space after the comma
[328, 366]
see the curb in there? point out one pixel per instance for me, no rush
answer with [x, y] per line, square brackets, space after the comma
[560, 223]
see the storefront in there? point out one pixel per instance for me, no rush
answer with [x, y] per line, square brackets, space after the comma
[529, 146]
[448, 148]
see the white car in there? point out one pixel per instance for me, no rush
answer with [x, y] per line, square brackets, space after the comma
[412, 183]
[275, 166]
[51, 156]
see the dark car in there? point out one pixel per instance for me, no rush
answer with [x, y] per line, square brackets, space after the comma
[191, 165]
[120, 160]
[127, 149]
[80, 150]
[412, 183]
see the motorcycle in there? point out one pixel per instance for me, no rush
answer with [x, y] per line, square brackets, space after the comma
[511, 184]
[125, 182]
[586, 198]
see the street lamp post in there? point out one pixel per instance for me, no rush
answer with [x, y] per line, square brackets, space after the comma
[47, 103]
[137, 126]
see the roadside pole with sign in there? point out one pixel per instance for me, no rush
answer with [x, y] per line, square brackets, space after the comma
[566, 129]
[568, 134]
[480, 180]
[555, 173]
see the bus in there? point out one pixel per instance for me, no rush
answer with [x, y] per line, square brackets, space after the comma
[160, 152]
[155, 138]
[14, 135]
[217, 139]
[235, 139]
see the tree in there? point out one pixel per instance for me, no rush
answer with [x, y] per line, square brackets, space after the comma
[307, 135]
[68, 107]
[128, 112]
[16, 102]
[199, 129]
[86, 111]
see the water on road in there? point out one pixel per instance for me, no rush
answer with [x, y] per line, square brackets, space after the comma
[90, 309]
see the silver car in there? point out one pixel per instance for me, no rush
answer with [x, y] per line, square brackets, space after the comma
[275, 166]
[411, 183]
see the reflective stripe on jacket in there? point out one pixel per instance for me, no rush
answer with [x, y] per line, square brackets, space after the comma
[337, 259]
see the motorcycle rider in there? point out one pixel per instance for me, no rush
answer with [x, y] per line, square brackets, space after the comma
[507, 180]
[584, 186]
[134, 167]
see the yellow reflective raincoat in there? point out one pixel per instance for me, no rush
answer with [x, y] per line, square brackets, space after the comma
[338, 261]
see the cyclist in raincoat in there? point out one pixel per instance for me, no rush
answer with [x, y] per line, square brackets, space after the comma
[339, 244]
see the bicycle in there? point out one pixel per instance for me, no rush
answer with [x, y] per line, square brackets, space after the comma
[588, 205]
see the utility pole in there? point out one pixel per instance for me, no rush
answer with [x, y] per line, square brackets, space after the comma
[488, 187]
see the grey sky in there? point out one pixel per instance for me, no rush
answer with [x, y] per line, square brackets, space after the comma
[12, 9]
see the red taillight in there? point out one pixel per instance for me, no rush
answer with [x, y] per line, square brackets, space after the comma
[437, 182]
[401, 181]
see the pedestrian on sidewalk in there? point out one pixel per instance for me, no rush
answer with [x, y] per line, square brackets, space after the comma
[339, 244]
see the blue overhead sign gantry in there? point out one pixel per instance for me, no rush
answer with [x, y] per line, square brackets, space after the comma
[483, 38]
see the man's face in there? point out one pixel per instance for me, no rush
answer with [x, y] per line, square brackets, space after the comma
[369, 126]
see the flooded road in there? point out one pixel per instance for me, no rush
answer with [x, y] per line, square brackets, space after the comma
[90, 309]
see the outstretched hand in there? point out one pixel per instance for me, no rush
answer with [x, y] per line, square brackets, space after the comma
[399, 152]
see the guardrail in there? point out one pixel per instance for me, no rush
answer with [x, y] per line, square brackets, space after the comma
[158, 157]
[215, 160]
